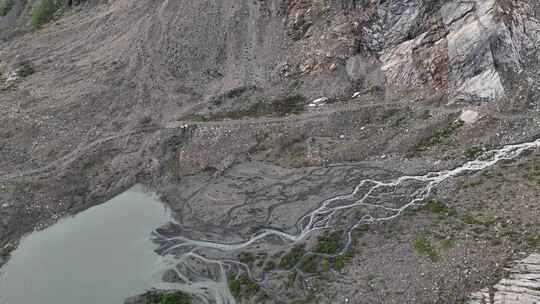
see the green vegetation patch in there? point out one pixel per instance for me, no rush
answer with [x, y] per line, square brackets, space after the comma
[247, 258]
[293, 257]
[471, 220]
[25, 70]
[6, 6]
[436, 206]
[470, 184]
[329, 242]
[269, 265]
[398, 122]
[325, 265]
[235, 287]
[195, 118]
[309, 264]
[290, 105]
[440, 136]
[534, 240]
[448, 243]
[242, 286]
[169, 298]
[387, 115]
[172, 167]
[338, 262]
[308, 299]
[277, 108]
[291, 278]
[473, 152]
[44, 10]
[317, 264]
[280, 107]
[423, 247]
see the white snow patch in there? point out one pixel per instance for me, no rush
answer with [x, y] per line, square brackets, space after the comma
[318, 102]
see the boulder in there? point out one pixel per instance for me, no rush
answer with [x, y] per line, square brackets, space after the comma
[472, 28]
[469, 116]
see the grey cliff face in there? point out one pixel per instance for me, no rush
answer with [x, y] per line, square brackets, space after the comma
[473, 50]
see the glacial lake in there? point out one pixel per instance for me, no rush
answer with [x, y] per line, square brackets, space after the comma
[101, 255]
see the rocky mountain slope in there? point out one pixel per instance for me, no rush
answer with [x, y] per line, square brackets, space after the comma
[217, 96]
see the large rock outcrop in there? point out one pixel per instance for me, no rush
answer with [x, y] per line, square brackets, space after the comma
[474, 50]
[522, 286]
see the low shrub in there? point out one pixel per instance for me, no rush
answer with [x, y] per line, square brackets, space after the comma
[439, 136]
[274, 108]
[338, 263]
[325, 265]
[448, 243]
[242, 286]
[247, 258]
[534, 240]
[290, 105]
[309, 264]
[25, 70]
[422, 246]
[436, 206]
[269, 266]
[473, 152]
[292, 258]
[170, 298]
[5, 6]
[329, 242]
[235, 287]
[44, 10]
